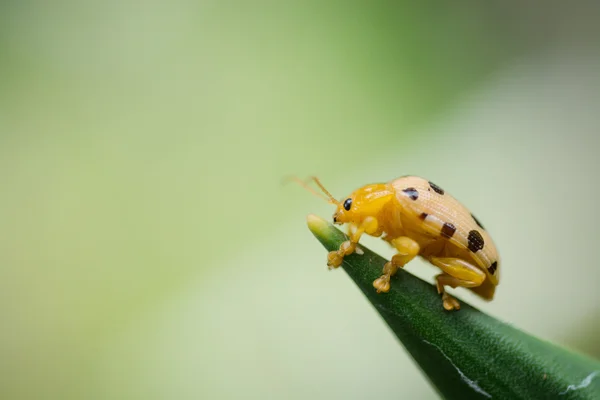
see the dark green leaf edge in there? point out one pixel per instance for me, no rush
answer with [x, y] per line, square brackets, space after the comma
[466, 354]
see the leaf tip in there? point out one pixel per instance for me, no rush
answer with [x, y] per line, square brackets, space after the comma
[316, 224]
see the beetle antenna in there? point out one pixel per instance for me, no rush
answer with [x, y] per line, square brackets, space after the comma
[329, 198]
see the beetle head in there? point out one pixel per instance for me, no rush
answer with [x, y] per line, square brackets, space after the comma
[368, 201]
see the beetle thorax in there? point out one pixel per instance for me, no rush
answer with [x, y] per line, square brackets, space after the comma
[369, 201]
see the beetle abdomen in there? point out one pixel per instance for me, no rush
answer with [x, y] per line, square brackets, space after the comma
[437, 214]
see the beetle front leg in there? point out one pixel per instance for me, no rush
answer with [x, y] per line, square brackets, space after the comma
[335, 258]
[407, 250]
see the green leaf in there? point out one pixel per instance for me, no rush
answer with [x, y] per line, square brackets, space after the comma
[467, 353]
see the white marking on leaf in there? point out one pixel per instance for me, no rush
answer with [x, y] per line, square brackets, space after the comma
[465, 378]
[584, 383]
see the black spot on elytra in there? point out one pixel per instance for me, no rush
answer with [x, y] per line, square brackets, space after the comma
[492, 268]
[448, 230]
[412, 193]
[423, 216]
[475, 241]
[477, 222]
[436, 188]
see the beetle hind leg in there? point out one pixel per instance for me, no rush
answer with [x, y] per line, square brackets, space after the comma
[457, 273]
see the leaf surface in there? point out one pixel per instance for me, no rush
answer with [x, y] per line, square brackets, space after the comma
[465, 354]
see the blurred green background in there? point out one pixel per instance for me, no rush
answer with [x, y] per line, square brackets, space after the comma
[148, 249]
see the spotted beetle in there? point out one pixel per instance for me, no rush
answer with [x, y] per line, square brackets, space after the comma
[419, 218]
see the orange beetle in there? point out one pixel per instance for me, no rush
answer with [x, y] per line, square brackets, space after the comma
[419, 218]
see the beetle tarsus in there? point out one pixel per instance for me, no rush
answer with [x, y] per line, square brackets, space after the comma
[334, 259]
[450, 303]
[382, 284]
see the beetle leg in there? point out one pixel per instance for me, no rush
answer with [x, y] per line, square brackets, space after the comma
[368, 226]
[457, 272]
[407, 250]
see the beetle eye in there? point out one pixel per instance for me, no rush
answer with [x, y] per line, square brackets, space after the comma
[347, 204]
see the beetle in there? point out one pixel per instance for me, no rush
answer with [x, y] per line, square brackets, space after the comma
[418, 218]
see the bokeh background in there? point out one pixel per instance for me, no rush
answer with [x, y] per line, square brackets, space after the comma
[148, 249]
